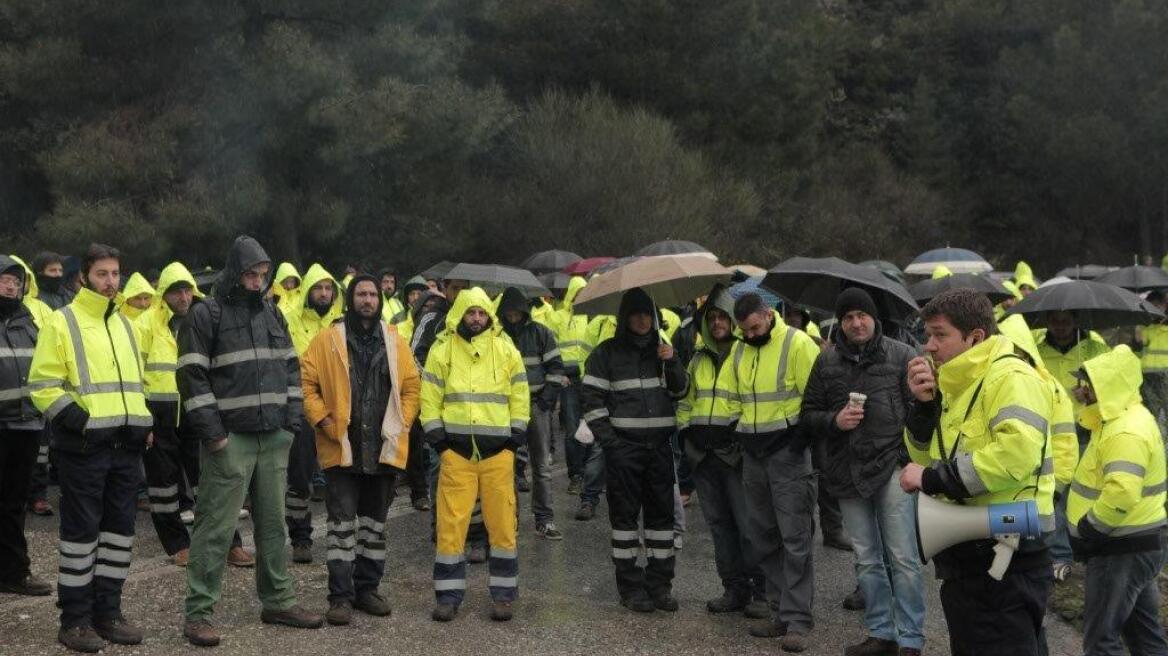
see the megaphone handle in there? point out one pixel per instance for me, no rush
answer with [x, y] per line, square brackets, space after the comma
[1003, 554]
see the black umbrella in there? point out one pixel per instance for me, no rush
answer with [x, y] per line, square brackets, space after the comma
[437, 271]
[1095, 305]
[674, 247]
[557, 282]
[1084, 272]
[925, 290]
[549, 261]
[494, 278]
[816, 282]
[890, 270]
[1136, 278]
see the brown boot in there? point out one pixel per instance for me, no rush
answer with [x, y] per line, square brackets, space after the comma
[239, 557]
[200, 633]
[295, 617]
[81, 638]
[118, 631]
[181, 558]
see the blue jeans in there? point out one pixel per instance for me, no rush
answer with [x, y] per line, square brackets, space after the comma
[593, 473]
[1060, 542]
[575, 454]
[883, 529]
[1123, 605]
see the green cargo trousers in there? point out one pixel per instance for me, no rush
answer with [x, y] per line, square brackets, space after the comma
[255, 464]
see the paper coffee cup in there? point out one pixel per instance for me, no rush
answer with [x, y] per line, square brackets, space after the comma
[857, 399]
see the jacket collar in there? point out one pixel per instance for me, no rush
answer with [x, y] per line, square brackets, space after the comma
[963, 371]
[93, 304]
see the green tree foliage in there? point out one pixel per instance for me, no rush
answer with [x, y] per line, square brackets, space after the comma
[402, 133]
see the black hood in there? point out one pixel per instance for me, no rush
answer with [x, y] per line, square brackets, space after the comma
[513, 300]
[443, 305]
[11, 266]
[244, 254]
[633, 301]
[352, 320]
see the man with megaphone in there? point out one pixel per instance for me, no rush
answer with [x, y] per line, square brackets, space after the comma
[979, 436]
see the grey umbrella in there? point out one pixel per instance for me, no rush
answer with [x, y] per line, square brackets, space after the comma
[557, 282]
[1084, 271]
[438, 270]
[494, 278]
[1136, 278]
[817, 282]
[675, 247]
[925, 290]
[549, 261]
[1095, 305]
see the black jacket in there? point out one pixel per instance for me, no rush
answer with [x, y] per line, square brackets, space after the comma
[537, 345]
[427, 325]
[859, 462]
[18, 335]
[237, 369]
[629, 393]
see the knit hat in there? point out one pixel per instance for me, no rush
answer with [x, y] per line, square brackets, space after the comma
[854, 298]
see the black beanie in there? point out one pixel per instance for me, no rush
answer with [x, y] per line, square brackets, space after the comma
[854, 298]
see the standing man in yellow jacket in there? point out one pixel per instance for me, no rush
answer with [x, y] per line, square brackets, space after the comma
[475, 409]
[1116, 510]
[1153, 343]
[361, 396]
[979, 434]
[320, 305]
[86, 377]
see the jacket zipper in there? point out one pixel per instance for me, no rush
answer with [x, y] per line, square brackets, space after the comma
[118, 366]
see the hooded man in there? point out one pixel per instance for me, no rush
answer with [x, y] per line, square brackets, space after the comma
[174, 453]
[1116, 510]
[286, 286]
[631, 384]
[475, 410]
[572, 338]
[239, 379]
[392, 306]
[136, 297]
[361, 396]
[321, 306]
[716, 462]
[38, 489]
[862, 451]
[21, 425]
[404, 319]
[545, 376]
[86, 378]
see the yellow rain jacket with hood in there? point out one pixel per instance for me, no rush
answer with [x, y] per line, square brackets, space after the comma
[304, 322]
[1117, 499]
[287, 297]
[475, 398]
[158, 332]
[39, 309]
[1064, 362]
[572, 332]
[701, 431]
[137, 285]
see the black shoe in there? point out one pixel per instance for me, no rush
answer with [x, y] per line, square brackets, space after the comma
[855, 601]
[639, 602]
[586, 512]
[421, 504]
[501, 611]
[81, 638]
[444, 612]
[302, 553]
[118, 631]
[574, 485]
[729, 602]
[665, 602]
[837, 540]
[29, 586]
[873, 647]
[758, 609]
[522, 485]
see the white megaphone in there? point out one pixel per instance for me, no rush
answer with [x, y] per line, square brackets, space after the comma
[942, 525]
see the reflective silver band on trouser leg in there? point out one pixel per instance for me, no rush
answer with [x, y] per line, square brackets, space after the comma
[113, 555]
[76, 562]
[370, 538]
[295, 507]
[341, 540]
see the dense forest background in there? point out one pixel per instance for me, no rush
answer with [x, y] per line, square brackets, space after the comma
[399, 133]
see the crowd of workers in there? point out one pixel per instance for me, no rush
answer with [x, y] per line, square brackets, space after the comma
[250, 396]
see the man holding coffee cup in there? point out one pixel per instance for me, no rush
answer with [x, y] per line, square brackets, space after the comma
[855, 403]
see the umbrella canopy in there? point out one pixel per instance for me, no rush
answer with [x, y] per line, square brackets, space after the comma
[816, 282]
[749, 270]
[670, 281]
[1057, 280]
[1094, 304]
[615, 264]
[957, 260]
[675, 247]
[494, 278]
[437, 271]
[1136, 278]
[557, 282]
[890, 270]
[585, 266]
[549, 261]
[754, 286]
[925, 290]
[1085, 271]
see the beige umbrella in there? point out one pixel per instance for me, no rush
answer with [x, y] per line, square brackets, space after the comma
[671, 280]
[749, 270]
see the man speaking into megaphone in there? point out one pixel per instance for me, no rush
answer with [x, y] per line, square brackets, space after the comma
[978, 435]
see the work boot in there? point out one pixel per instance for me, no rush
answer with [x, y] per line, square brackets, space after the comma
[768, 629]
[665, 602]
[239, 557]
[548, 531]
[339, 613]
[855, 601]
[41, 508]
[794, 642]
[872, 647]
[908, 651]
[586, 512]
[182, 558]
[421, 504]
[837, 540]
[476, 554]
[30, 586]
[81, 638]
[200, 633]
[302, 553]
[372, 603]
[118, 631]
[574, 485]
[757, 610]
[295, 617]
[501, 611]
[444, 612]
[521, 484]
[729, 602]
[639, 602]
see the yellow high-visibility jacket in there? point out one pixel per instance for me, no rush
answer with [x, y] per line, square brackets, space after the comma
[159, 346]
[303, 322]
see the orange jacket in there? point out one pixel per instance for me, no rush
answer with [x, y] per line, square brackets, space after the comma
[324, 377]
